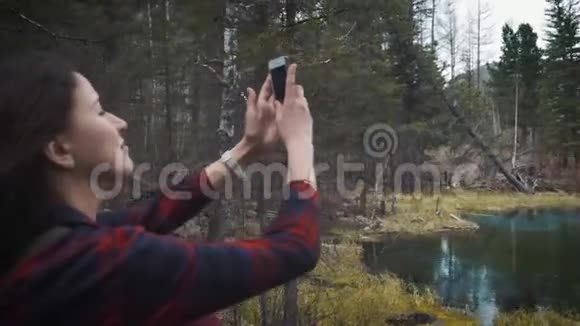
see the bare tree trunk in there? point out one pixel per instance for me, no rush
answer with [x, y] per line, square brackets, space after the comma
[478, 77]
[433, 18]
[196, 126]
[495, 118]
[577, 163]
[468, 51]
[483, 36]
[167, 75]
[454, 50]
[225, 130]
[149, 91]
[515, 152]
[449, 26]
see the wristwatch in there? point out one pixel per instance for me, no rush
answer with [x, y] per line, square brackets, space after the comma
[232, 164]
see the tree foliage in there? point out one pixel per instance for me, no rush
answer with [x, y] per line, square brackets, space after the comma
[561, 80]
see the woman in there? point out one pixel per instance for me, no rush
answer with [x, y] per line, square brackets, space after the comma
[66, 264]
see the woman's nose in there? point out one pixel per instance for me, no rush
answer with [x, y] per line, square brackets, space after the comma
[119, 123]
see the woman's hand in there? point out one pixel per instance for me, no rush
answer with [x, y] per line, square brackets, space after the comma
[260, 133]
[269, 121]
[260, 128]
[293, 116]
[294, 124]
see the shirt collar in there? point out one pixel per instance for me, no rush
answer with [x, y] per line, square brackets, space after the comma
[63, 214]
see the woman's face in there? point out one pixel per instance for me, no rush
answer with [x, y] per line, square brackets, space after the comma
[94, 142]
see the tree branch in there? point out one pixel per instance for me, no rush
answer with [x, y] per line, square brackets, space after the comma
[44, 29]
[306, 20]
[219, 76]
[202, 61]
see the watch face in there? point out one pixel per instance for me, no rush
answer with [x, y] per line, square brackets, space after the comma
[226, 155]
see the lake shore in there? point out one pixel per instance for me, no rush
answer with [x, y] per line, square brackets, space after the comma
[420, 215]
[342, 290]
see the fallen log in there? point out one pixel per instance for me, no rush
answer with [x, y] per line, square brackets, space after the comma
[519, 186]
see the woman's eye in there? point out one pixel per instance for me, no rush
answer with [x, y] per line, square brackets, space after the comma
[102, 112]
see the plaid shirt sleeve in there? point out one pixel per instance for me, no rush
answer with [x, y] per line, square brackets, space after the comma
[163, 214]
[124, 275]
[170, 281]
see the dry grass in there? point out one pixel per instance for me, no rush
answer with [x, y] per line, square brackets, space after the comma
[420, 215]
[427, 214]
[341, 292]
[469, 201]
[538, 318]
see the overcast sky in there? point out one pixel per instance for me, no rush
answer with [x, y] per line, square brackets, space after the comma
[513, 12]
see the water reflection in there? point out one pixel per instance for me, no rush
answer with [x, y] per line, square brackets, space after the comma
[515, 260]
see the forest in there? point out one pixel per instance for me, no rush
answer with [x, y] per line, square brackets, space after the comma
[403, 85]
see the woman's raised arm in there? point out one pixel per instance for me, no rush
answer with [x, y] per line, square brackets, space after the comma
[166, 212]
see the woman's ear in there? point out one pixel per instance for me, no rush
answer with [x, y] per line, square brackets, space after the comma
[58, 151]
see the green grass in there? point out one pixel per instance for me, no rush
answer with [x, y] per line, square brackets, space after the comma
[537, 318]
[341, 292]
[427, 214]
[467, 201]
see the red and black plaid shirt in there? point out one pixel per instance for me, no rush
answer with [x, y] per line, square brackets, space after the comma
[125, 268]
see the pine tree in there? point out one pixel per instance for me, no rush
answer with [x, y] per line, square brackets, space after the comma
[529, 66]
[503, 74]
[561, 82]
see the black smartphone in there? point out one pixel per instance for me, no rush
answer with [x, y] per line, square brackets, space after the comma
[278, 67]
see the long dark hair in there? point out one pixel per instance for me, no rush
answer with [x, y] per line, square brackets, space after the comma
[35, 105]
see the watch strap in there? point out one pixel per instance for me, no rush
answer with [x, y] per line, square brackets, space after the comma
[232, 164]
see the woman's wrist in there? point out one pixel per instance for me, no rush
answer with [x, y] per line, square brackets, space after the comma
[299, 145]
[244, 152]
[217, 172]
[300, 161]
